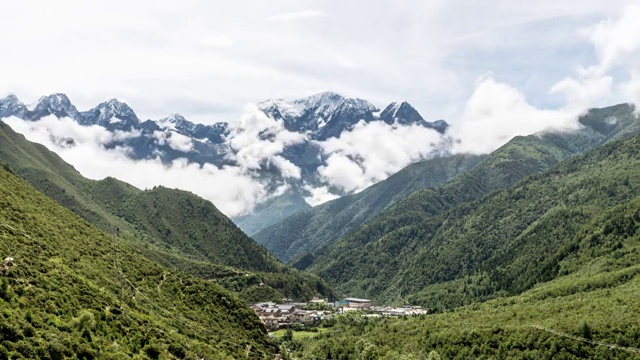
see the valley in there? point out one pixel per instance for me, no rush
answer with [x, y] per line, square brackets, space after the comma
[487, 249]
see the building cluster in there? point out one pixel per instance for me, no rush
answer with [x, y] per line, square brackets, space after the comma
[281, 316]
[398, 311]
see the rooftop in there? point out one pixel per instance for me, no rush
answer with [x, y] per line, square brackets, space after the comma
[357, 300]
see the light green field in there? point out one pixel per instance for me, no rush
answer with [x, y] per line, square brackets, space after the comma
[297, 335]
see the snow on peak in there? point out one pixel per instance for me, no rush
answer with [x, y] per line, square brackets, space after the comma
[326, 101]
[54, 101]
[172, 119]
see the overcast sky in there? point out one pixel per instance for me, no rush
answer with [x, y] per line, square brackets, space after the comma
[494, 69]
[207, 59]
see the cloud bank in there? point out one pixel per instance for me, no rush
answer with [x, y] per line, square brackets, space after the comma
[494, 111]
[374, 151]
[232, 189]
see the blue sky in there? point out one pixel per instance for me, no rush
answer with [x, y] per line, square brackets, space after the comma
[206, 60]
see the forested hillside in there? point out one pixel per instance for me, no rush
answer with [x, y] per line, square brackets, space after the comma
[175, 228]
[308, 230]
[502, 244]
[72, 291]
[314, 228]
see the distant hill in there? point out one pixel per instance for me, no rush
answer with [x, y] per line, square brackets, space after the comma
[308, 230]
[502, 243]
[73, 292]
[175, 228]
[312, 229]
[313, 120]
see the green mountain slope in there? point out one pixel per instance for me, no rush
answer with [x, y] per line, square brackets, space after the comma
[559, 319]
[72, 291]
[310, 229]
[501, 244]
[172, 227]
[594, 301]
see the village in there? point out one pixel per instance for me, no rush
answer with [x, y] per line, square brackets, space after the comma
[290, 314]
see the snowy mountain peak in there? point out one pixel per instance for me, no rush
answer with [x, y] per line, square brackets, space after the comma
[11, 106]
[400, 112]
[360, 104]
[10, 98]
[112, 114]
[55, 99]
[326, 101]
[215, 133]
[55, 104]
[178, 122]
[115, 107]
[172, 119]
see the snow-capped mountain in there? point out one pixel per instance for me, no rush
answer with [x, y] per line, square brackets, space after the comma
[112, 115]
[216, 133]
[329, 114]
[316, 119]
[303, 115]
[11, 106]
[401, 112]
[58, 105]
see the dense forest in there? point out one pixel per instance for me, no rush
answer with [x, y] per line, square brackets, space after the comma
[501, 244]
[310, 229]
[459, 180]
[172, 227]
[71, 290]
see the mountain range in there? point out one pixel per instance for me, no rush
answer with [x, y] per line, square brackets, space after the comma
[531, 249]
[457, 179]
[316, 118]
[470, 224]
[174, 228]
[531, 253]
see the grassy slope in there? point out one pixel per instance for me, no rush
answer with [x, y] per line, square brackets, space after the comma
[310, 229]
[595, 299]
[175, 228]
[61, 296]
[501, 244]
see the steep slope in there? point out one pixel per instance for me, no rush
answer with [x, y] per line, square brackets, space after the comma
[583, 313]
[72, 291]
[503, 243]
[314, 119]
[586, 314]
[506, 166]
[309, 230]
[172, 227]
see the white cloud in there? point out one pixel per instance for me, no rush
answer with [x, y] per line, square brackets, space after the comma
[297, 15]
[497, 112]
[616, 41]
[286, 167]
[371, 152]
[206, 59]
[257, 139]
[174, 140]
[319, 195]
[233, 190]
[343, 172]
